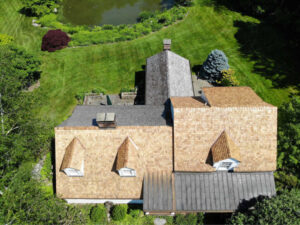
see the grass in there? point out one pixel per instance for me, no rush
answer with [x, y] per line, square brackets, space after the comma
[113, 66]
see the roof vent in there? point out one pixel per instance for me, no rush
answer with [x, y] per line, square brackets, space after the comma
[106, 120]
[167, 44]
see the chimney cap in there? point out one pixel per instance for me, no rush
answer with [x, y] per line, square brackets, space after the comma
[167, 41]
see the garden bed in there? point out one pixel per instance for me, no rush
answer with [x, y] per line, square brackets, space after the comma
[87, 35]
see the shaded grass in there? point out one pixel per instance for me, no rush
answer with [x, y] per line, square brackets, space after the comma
[13, 23]
[113, 66]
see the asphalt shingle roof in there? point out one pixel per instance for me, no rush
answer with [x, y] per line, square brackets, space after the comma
[135, 115]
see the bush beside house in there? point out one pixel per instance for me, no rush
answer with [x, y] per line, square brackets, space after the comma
[98, 214]
[119, 212]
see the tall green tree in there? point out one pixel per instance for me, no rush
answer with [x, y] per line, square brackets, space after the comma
[289, 143]
[282, 209]
[22, 136]
[25, 202]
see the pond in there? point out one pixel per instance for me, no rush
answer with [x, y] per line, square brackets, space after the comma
[98, 12]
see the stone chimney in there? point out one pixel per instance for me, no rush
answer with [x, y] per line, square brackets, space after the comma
[167, 44]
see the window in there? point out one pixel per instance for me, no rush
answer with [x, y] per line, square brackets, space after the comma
[73, 172]
[225, 165]
[126, 172]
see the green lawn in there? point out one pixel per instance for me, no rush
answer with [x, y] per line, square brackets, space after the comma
[113, 66]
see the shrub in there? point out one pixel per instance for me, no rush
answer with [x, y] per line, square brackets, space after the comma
[55, 40]
[39, 7]
[119, 212]
[98, 214]
[184, 2]
[189, 219]
[214, 64]
[200, 218]
[135, 213]
[145, 15]
[228, 78]
[5, 39]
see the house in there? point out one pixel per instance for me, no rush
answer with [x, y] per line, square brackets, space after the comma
[176, 153]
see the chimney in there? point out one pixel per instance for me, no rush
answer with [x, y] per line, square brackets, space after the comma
[167, 44]
[106, 120]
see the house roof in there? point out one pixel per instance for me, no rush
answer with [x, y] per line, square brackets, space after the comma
[74, 155]
[167, 75]
[224, 148]
[135, 115]
[205, 192]
[188, 102]
[232, 97]
[127, 155]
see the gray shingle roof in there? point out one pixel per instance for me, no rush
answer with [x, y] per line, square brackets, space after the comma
[135, 115]
[167, 75]
[206, 192]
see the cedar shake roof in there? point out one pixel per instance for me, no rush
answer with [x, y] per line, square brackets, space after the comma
[134, 115]
[232, 97]
[167, 75]
[74, 155]
[127, 155]
[224, 148]
[188, 102]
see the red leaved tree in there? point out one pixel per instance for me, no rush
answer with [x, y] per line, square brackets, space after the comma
[55, 40]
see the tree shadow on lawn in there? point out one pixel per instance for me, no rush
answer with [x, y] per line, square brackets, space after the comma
[269, 48]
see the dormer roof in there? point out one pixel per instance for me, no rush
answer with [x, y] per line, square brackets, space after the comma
[74, 155]
[224, 148]
[127, 155]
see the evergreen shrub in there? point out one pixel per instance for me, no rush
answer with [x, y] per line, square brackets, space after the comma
[98, 214]
[228, 78]
[189, 219]
[215, 63]
[119, 212]
[135, 213]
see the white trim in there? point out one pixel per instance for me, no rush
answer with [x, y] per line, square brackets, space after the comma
[234, 164]
[101, 201]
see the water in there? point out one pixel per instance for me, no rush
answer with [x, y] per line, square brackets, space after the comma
[98, 12]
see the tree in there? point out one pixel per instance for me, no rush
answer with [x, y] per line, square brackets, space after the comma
[289, 139]
[213, 66]
[55, 40]
[22, 136]
[25, 202]
[282, 209]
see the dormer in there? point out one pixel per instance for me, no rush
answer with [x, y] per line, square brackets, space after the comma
[127, 158]
[73, 161]
[225, 154]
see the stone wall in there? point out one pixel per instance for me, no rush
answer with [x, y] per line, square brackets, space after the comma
[101, 180]
[253, 130]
